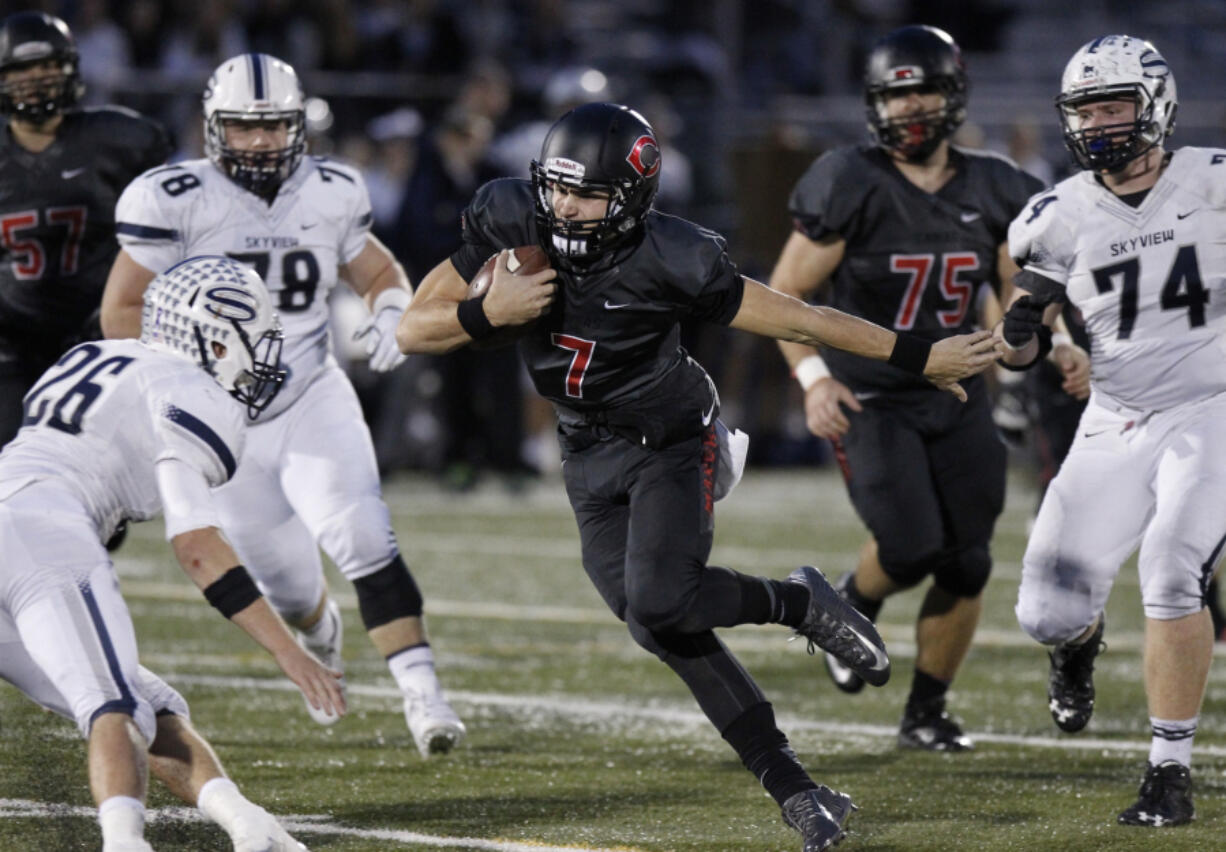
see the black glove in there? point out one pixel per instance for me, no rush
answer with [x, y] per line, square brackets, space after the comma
[1024, 319]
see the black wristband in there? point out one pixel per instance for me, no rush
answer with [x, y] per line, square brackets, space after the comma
[910, 353]
[232, 592]
[1044, 337]
[471, 314]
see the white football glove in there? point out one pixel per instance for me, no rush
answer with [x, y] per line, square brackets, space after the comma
[379, 330]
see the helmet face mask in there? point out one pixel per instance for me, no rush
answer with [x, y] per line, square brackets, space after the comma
[37, 49]
[216, 312]
[1111, 69]
[915, 58]
[595, 151]
[251, 93]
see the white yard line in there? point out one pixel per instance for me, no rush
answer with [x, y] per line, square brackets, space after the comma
[303, 824]
[585, 710]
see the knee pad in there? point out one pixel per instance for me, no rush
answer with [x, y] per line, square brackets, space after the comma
[965, 575]
[907, 574]
[388, 594]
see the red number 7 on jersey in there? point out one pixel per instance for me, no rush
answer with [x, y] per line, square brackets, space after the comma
[583, 350]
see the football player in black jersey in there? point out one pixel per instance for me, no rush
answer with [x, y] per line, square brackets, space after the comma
[637, 416]
[905, 230]
[61, 172]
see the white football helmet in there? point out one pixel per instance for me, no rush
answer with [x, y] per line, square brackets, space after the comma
[254, 87]
[215, 312]
[1117, 67]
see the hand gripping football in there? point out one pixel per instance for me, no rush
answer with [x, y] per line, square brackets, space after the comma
[524, 260]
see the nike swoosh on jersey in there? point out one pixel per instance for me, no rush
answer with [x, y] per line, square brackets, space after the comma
[1099, 432]
[706, 418]
[609, 306]
[969, 217]
[69, 174]
[1185, 215]
[308, 227]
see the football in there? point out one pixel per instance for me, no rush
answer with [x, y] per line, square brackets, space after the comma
[524, 260]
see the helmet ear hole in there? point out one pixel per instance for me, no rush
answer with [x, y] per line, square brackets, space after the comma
[219, 349]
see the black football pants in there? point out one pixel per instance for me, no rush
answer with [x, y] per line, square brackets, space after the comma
[646, 523]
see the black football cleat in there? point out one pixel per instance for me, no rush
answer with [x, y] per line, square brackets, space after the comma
[1070, 686]
[929, 727]
[1165, 797]
[842, 676]
[819, 815]
[835, 626]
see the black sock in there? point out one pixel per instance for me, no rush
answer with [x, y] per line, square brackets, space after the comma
[765, 752]
[868, 608]
[790, 602]
[925, 689]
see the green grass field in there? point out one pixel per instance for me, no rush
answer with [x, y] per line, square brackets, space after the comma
[580, 740]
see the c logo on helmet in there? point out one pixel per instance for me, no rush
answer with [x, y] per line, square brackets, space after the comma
[644, 156]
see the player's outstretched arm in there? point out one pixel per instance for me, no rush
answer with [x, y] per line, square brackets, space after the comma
[772, 314]
[214, 567]
[124, 296]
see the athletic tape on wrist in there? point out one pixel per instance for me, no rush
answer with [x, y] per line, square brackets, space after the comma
[810, 370]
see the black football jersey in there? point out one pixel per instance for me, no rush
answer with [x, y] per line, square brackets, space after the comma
[611, 337]
[57, 215]
[914, 260]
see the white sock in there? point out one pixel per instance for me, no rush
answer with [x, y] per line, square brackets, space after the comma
[221, 801]
[322, 632]
[1172, 740]
[413, 669]
[121, 818]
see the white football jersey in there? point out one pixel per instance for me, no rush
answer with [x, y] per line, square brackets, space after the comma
[319, 220]
[1150, 281]
[101, 418]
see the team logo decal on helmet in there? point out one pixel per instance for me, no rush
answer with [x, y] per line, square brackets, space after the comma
[644, 156]
[1116, 68]
[598, 150]
[216, 312]
[915, 58]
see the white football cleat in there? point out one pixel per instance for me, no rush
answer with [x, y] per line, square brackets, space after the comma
[260, 832]
[329, 653]
[434, 725]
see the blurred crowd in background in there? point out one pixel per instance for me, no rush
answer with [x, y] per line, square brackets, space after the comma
[431, 98]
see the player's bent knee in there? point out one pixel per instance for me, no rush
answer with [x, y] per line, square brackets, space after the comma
[911, 571]
[388, 594]
[137, 708]
[162, 697]
[966, 574]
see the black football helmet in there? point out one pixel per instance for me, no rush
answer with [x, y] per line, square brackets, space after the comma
[27, 38]
[596, 147]
[915, 57]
